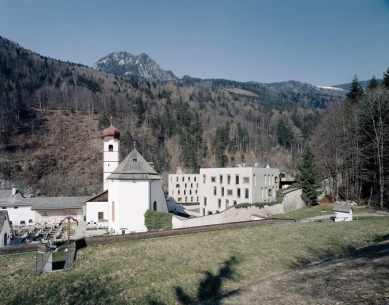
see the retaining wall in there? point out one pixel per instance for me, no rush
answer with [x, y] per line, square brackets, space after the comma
[292, 201]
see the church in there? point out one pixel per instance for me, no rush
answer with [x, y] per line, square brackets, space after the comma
[131, 187]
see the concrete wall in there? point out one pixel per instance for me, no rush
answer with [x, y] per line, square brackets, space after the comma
[292, 201]
[158, 196]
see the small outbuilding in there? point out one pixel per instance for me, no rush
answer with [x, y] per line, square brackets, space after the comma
[343, 213]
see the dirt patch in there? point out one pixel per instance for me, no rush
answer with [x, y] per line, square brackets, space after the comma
[361, 277]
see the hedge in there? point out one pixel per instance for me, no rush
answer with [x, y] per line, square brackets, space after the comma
[279, 198]
[158, 220]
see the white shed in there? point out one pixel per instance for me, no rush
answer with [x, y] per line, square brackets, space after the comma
[343, 213]
[5, 228]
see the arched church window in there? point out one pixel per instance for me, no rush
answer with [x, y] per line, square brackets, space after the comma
[113, 211]
[155, 206]
[110, 148]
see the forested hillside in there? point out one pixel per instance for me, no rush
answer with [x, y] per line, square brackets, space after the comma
[52, 115]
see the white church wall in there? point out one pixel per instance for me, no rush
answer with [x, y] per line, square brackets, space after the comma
[158, 196]
[21, 214]
[131, 202]
[93, 209]
[6, 230]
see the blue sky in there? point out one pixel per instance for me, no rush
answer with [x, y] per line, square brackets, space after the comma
[319, 42]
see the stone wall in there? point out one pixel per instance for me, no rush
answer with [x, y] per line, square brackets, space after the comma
[22, 248]
[292, 201]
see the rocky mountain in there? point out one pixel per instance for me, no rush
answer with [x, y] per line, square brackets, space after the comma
[126, 64]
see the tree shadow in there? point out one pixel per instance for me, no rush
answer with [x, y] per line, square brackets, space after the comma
[209, 287]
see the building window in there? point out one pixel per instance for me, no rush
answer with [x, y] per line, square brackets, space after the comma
[238, 193]
[228, 179]
[100, 215]
[237, 179]
[30, 221]
[217, 211]
[227, 203]
[270, 192]
[110, 148]
[171, 179]
[113, 211]
[176, 179]
[177, 185]
[194, 179]
[185, 185]
[204, 178]
[205, 201]
[213, 179]
[209, 213]
[188, 179]
[234, 202]
[197, 185]
[219, 203]
[246, 193]
[186, 199]
[191, 199]
[16, 207]
[229, 192]
[155, 206]
[275, 179]
[203, 212]
[265, 179]
[214, 190]
[262, 192]
[196, 192]
[179, 199]
[190, 192]
[221, 179]
[3, 208]
[178, 192]
[246, 180]
[184, 192]
[197, 198]
[183, 179]
[222, 191]
[191, 185]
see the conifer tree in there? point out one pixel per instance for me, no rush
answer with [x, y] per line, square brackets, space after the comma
[373, 83]
[308, 176]
[386, 79]
[355, 90]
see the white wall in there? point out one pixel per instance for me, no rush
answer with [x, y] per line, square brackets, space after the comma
[56, 216]
[93, 209]
[158, 195]
[6, 229]
[131, 202]
[21, 213]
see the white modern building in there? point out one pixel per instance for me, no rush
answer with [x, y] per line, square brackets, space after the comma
[221, 188]
[184, 188]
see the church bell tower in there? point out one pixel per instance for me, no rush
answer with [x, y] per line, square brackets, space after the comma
[111, 136]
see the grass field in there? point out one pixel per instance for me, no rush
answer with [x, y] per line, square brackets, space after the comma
[183, 269]
[321, 210]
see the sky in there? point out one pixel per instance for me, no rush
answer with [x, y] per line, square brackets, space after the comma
[321, 42]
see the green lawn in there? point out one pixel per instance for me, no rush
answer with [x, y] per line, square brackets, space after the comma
[319, 210]
[183, 269]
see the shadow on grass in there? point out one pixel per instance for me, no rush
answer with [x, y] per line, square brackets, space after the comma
[209, 287]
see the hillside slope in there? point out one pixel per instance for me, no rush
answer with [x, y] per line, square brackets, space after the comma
[57, 110]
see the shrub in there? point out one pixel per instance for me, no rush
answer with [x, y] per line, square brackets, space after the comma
[158, 220]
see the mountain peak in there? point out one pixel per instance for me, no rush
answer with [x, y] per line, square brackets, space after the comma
[125, 63]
